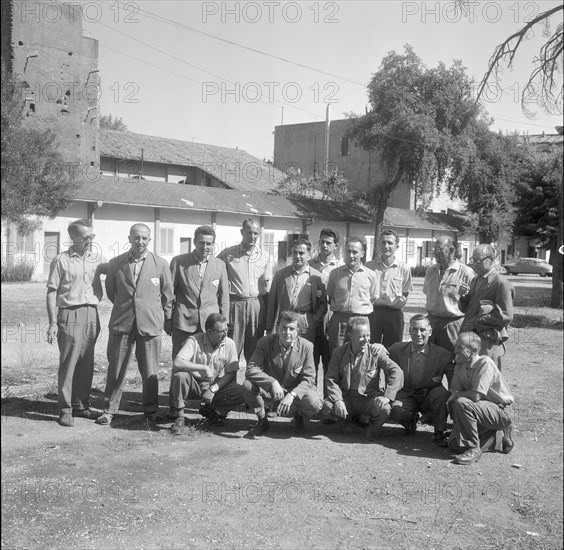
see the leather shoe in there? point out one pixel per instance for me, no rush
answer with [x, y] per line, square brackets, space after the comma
[330, 420]
[469, 456]
[179, 426]
[411, 426]
[174, 413]
[372, 431]
[66, 419]
[299, 422]
[507, 442]
[84, 413]
[154, 418]
[441, 439]
[259, 428]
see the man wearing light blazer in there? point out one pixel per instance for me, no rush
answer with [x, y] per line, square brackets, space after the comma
[200, 286]
[282, 372]
[298, 287]
[139, 285]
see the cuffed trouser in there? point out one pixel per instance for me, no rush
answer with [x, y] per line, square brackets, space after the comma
[321, 353]
[255, 397]
[179, 338]
[361, 405]
[445, 331]
[337, 328]
[78, 330]
[183, 386]
[245, 324]
[147, 352]
[386, 326]
[474, 422]
[427, 401]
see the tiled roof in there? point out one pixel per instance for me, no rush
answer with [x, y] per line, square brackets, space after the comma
[235, 167]
[191, 197]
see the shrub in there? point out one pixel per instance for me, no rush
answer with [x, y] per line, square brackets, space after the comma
[17, 272]
[419, 270]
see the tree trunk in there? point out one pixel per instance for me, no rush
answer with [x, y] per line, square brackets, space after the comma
[556, 258]
[380, 207]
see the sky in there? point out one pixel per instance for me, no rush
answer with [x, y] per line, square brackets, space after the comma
[227, 73]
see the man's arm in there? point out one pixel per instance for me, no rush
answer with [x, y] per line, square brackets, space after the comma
[307, 381]
[111, 282]
[272, 303]
[167, 290]
[393, 375]
[255, 368]
[321, 297]
[223, 298]
[52, 314]
[333, 378]
[502, 314]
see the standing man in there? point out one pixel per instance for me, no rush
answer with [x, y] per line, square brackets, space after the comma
[441, 286]
[206, 369]
[424, 366]
[478, 401]
[353, 379]
[74, 289]
[139, 285]
[281, 371]
[200, 287]
[298, 288]
[248, 272]
[352, 288]
[487, 304]
[325, 262]
[386, 321]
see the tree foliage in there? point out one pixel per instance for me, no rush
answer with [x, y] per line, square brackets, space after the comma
[35, 179]
[329, 186]
[112, 123]
[419, 122]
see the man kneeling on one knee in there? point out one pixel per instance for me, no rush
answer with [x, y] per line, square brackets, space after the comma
[282, 373]
[478, 402]
[353, 379]
[424, 366]
[206, 369]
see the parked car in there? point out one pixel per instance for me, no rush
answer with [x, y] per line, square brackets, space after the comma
[530, 265]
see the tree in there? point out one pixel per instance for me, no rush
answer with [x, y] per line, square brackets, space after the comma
[112, 123]
[539, 199]
[331, 186]
[35, 179]
[487, 185]
[419, 122]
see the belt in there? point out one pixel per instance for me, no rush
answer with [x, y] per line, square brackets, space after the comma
[445, 317]
[234, 298]
[303, 311]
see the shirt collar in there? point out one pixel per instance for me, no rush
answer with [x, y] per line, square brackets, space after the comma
[73, 253]
[133, 259]
[304, 270]
[331, 260]
[424, 351]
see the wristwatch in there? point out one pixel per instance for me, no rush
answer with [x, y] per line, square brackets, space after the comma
[213, 388]
[293, 394]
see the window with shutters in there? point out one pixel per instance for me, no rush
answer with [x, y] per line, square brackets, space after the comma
[166, 245]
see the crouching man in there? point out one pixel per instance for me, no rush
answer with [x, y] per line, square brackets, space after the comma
[282, 373]
[478, 401]
[424, 366]
[353, 379]
[206, 368]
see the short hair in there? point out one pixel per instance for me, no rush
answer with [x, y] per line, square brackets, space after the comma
[452, 241]
[204, 230]
[304, 242]
[470, 340]
[73, 226]
[358, 321]
[389, 232]
[419, 317]
[214, 318]
[249, 221]
[144, 225]
[354, 240]
[288, 317]
[329, 232]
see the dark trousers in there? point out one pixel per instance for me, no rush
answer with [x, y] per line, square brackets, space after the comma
[78, 330]
[386, 326]
[427, 401]
[445, 331]
[179, 338]
[321, 354]
[246, 320]
[147, 352]
[361, 405]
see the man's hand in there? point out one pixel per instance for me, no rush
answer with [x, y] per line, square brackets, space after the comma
[285, 405]
[340, 409]
[207, 398]
[382, 400]
[377, 348]
[168, 326]
[463, 289]
[51, 333]
[207, 373]
[451, 399]
[276, 391]
[399, 302]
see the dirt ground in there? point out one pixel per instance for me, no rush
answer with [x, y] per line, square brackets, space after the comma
[128, 486]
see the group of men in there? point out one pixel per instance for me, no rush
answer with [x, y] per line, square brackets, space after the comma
[348, 317]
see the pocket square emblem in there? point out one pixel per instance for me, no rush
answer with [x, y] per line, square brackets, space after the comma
[215, 283]
[156, 281]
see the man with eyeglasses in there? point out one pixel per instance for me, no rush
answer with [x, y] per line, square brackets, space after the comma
[74, 290]
[206, 369]
[487, 304]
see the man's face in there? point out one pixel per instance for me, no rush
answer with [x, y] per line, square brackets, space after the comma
[481, 262]
[300, 256]
[287, 332]
[250, 233]
[139, 237]
[327, 246]
[218, 333]
[462, 353]
[444, 253]
[359, 336]
[388, 246]
[82, 238]
[354, 254]
[204, 246]
[420, 332]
